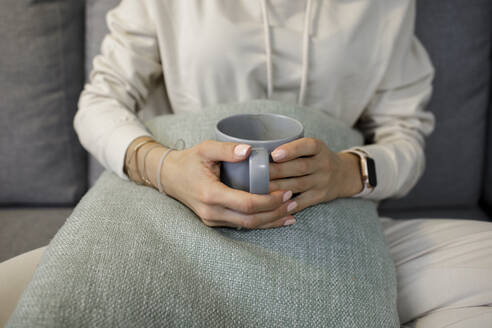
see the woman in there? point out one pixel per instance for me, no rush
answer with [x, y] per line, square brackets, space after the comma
[368, 68]
[357, 60]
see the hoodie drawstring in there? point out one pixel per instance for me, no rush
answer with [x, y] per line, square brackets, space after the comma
[305, 50]
[268, 48]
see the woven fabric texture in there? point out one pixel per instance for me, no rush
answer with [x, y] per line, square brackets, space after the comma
[131, 257]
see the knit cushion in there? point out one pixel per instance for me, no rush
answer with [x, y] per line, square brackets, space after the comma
[131, 257]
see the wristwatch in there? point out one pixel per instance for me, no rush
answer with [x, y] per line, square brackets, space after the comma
[368, 171]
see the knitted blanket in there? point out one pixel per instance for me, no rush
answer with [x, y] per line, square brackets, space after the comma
[129, 256]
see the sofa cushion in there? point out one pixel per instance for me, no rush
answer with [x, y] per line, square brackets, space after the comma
[27, 228]
[41, 75]
[487, 195]
[457, 35]
[468, 213]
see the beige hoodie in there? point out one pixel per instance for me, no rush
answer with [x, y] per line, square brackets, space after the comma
[358, 60]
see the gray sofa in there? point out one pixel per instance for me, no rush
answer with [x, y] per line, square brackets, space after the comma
[47, 50]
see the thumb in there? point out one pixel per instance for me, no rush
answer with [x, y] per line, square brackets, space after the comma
[224, 151]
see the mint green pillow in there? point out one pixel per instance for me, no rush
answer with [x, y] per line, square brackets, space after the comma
[131, 257]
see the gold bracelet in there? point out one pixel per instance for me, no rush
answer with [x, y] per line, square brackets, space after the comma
[134, 152]
[140, 144]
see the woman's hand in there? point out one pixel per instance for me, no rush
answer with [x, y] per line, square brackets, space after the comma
[192, 177]
[307, 166]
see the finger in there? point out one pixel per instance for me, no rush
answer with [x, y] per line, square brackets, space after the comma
[297, 148]
[285, 221]
[298, 184]
[294, 168]
[306, 199]
[250, 221]
[242, 201]
[224, 151]
[213, 216]
[217, 224]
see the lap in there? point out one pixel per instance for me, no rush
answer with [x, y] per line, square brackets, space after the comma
[15, 274]
[442, 265]
[466, 317]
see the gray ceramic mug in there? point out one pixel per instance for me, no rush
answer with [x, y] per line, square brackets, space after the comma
[264, 132]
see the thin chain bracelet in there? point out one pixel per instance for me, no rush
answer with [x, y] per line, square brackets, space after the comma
[143, 175]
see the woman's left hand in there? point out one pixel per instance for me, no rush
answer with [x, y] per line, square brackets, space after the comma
[307, 166]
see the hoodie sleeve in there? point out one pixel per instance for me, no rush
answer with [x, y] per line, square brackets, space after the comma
[121, 79]
[395, 122]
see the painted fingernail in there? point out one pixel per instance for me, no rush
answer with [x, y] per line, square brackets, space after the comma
[290, 222]
[287, 196]
[279, 154]
[241, 150]
[291, 206]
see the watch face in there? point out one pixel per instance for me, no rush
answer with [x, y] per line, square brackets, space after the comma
[371, 171]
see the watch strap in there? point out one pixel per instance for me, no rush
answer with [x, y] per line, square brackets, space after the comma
[367, 188]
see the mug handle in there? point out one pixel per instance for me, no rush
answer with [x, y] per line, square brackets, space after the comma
[259, 171]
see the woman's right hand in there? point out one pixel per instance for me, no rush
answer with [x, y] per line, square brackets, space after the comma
[192, 176]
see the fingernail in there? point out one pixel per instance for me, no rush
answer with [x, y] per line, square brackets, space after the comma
[290, 222]
[287, 196]
[241, 150]
[279, 154]
[291, 206]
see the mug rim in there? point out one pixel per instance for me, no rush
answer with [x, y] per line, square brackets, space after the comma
[241, 140]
